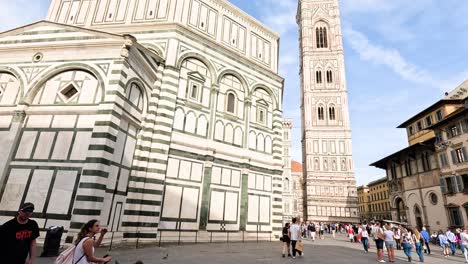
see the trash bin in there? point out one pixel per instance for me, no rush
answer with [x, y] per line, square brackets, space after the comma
[52, 241]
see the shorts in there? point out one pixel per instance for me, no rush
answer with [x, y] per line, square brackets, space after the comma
[286, 240]
[390, 244]
[379, 243]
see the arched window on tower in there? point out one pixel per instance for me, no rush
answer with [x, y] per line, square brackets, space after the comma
[321, 37]
[320, 113]
[329, 76]
[318, 76]
[331, 113]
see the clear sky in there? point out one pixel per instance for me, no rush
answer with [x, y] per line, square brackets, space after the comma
[401, 56]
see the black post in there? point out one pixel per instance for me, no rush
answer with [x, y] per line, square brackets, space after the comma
[138, 238]
[257, 232]
[228, 237]
[243, 233]
[112, 239]
[178, 242]
[196, 237]
[211, 236]
[160, 237]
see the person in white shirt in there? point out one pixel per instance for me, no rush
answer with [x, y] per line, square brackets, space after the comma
[464, 242]
[295, 235]
[364, 238]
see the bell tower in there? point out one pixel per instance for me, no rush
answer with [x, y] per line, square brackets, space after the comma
[330, 186]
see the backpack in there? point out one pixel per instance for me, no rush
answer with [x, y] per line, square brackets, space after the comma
[66, 257]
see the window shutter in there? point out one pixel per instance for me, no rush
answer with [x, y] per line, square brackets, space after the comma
[443, 185]
[454, 184]
[459, 181]
[454, 157]
[464, 154]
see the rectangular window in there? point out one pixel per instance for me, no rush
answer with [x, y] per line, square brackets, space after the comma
[408, 168]
[194, 91]
[429, 121]
[460, 155]
[419, 125]
[261, 115]
[455, 217]
[411, 130]
[465, 181]
[438, 136]
[439, 115]
[393, 171]
[449, 184]
[454, 131]
[443, 159]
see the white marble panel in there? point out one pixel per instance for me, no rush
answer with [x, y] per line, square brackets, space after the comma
[197, 171]
[235, 178]
[252, 181]
[44, 145]
[81, 145]
[189, 203]
[39, 121]
[64, 121]
[253, 208]
[171, 205]
[216, 205]
[264, 209]
[184, 172]
[14, 189]
[216, 175]
[5, 121]
[259, 182]
[62, 145]
[226, 177]
[231, 205]
[62, 192]
[26, 144]
[39, 188]
[172, 167]
[123, 180]
[86, 121]
[267, 186]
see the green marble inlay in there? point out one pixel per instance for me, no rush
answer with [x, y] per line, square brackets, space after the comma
[244, 202]
[205, 198]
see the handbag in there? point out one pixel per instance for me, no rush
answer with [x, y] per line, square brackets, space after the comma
[299, 246]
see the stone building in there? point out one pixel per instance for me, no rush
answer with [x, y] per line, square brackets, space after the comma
[363, 202]
[292, 179]
[379, 203]
[451, 143]
[413, 173]
[159, 118]
[330, 192]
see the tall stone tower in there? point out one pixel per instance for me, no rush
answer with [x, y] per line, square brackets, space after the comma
[330, 186]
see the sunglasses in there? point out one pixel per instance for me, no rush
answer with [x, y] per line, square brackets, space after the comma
[29, 211]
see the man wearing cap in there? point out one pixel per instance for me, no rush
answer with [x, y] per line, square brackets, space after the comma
[18, 237]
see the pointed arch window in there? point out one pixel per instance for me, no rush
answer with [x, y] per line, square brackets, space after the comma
[321, 37]
[320, 113]
[329, 76]
[231, 103]
[318, 76]
[331, 113]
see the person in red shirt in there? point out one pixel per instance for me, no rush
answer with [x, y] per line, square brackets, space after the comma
[18, 237]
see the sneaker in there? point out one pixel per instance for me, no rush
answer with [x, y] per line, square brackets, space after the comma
[381, 261]
[294, 257]
[284, 256]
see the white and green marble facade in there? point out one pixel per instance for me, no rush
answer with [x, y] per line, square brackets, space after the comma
[153, 117]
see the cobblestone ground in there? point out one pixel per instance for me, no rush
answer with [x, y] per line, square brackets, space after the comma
[326, 251]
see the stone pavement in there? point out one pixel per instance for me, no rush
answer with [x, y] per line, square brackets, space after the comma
[327, 251]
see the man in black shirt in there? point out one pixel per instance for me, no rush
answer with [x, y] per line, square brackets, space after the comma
[18, 237]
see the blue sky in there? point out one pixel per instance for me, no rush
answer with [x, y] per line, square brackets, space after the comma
[401, 56]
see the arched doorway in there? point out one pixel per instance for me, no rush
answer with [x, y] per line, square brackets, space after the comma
[400, 208]
[418, 217]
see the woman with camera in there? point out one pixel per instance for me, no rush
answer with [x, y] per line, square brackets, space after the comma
[85, 244]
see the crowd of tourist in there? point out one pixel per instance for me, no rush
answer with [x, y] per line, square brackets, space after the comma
[390, 237]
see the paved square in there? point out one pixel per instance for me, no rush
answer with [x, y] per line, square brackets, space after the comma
[327, 251]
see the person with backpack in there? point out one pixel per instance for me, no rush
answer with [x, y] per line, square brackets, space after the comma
[419, 243]
[18, 237]
[85, 244]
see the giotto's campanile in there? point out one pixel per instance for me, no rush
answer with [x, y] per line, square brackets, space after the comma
[330, 186]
